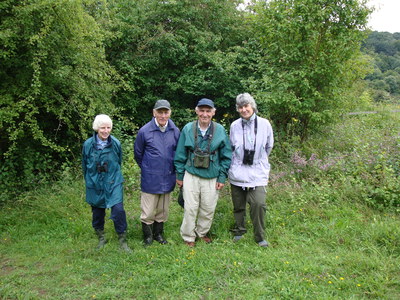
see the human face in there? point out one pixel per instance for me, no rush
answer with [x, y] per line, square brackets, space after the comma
[205, 113]
[162, 115]
[104, 131]
[246, 111]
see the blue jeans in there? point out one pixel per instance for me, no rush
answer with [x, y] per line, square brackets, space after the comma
[118, 215]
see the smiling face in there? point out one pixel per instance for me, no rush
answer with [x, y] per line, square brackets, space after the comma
[246, 111]
[162, 115]
[104, 131]
[205, 114]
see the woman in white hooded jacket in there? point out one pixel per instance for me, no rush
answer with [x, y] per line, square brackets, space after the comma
[252, 140]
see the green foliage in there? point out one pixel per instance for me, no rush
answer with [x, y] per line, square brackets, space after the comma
[311, 55]
[177, 50]
[54, 80]
[385, 80]
[361, 163]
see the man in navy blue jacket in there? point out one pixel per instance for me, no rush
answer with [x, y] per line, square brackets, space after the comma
[155, 147]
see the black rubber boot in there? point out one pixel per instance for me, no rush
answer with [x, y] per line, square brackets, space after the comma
[122, 242]
[102, 239]
[147, 234]
[158, 230]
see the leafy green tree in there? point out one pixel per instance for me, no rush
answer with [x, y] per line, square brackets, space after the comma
[177, 50]
[54, 79]
[384, 47]
[311, 56]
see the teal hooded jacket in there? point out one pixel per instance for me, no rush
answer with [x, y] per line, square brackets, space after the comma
[102, 172]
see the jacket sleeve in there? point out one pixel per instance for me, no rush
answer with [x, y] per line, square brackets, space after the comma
[225, 157]
[139, 148]
[270, 140]
[181, 156]
[83, 161]
[119, 147]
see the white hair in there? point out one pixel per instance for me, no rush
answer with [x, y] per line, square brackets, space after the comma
[213, 109]
[101, 120]
[244, 99]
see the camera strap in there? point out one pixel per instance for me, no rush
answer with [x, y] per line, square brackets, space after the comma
[210, 135]
[255, 134]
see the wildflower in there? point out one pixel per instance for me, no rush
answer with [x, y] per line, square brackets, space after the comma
[312, 157]
[330, 282]
[358, 284]
[298, 160]
[341, 278]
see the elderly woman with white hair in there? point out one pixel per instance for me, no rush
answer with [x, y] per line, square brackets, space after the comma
[101, 164]
[252, 140]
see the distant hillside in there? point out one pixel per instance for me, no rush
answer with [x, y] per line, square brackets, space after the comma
[384, 48]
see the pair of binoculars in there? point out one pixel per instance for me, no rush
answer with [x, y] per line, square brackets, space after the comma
[248, 157]
[102, 168]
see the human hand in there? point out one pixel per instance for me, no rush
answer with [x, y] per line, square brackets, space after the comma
[219, 185]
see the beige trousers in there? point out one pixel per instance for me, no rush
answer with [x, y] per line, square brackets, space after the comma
[155, 207]
[201, 198]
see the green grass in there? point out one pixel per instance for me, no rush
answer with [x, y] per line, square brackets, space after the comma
[330, 237]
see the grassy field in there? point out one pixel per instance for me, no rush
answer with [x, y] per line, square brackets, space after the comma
[333, 224]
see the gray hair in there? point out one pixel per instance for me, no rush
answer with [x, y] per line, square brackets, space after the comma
[213, 109]
[244, 99]
[101, 120]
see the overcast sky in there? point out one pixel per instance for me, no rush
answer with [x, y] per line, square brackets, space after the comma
[386, 16]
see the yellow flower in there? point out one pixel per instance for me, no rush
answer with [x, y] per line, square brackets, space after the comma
[341, 278]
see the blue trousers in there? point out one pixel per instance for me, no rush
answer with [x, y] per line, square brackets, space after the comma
[118, 215]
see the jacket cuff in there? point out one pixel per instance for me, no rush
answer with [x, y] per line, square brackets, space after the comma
[221, 179]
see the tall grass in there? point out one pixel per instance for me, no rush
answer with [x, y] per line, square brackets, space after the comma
[332, 222]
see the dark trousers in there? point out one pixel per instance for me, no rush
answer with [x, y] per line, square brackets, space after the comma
[258, 207]
[118, 215]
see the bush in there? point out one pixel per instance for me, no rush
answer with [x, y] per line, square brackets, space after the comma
[361, 162]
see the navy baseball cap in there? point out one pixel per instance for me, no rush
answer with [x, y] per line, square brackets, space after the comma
[205, 102]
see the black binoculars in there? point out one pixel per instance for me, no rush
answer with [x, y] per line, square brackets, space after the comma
[102, 168]
[248, 157]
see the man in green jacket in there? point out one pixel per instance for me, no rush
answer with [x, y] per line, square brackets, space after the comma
[202, 160]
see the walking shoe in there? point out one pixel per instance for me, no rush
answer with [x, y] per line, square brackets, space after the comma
[190, 244]
[263, 243]
[206, 239]
[237, 238]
